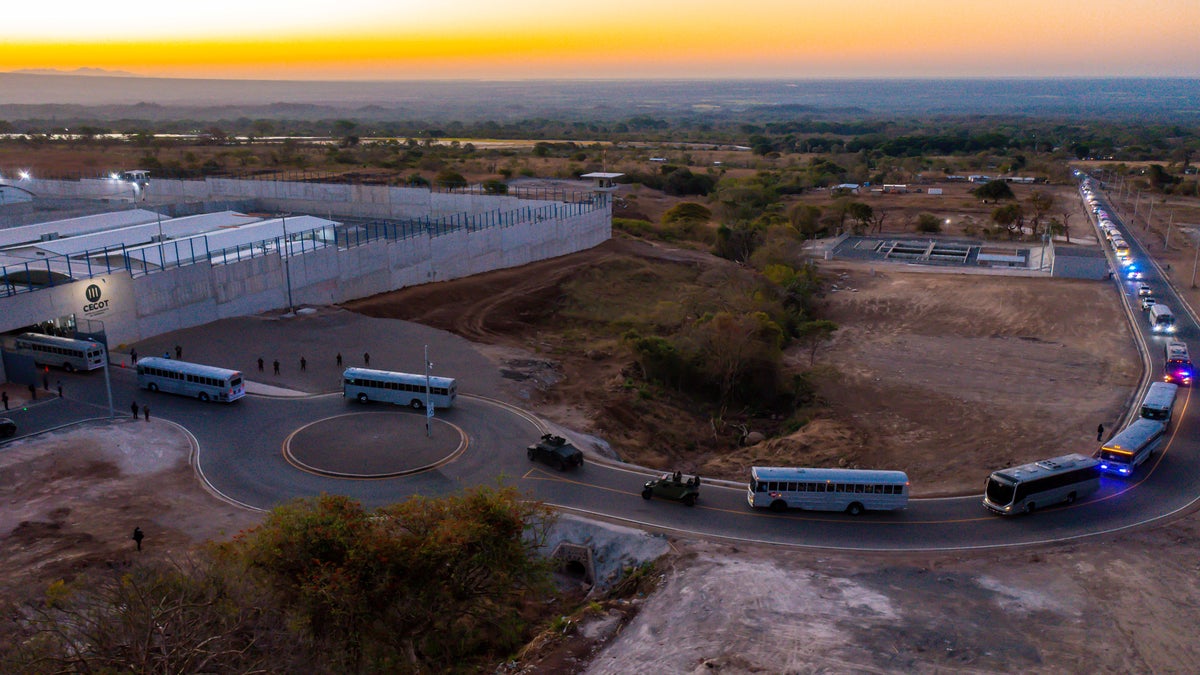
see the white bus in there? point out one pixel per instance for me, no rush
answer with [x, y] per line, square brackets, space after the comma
[1162, 319]
[1024, 488]
[206, 383]
[849, 490]
[65, 353]
[1177, 367]
[1129, 448]
[364, 384]
[1159, 402]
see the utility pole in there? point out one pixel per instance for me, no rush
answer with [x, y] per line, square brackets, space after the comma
[1151, 216]
[286, 252]
[1194, 260]
[428, 397]
[1167, 241]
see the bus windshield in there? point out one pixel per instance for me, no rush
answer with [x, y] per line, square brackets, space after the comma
[1000, 492]
[1115, 456]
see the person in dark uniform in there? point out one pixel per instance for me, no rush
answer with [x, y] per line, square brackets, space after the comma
[366, 358]
[303, 364]
[339, 359]
[276, 364]
[138, 536]
[178, 352]
[133, 407]
[146, 411]
[4, 397]
[1100, 433]
[260, 364]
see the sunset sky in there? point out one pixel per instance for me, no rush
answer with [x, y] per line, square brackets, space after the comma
[530, 39]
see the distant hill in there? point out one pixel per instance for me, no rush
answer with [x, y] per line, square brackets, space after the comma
[104, 96]
[86, 72]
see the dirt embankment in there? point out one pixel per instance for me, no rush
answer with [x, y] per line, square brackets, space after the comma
[943, 376]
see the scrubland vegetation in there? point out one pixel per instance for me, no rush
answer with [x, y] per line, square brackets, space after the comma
[322, 586]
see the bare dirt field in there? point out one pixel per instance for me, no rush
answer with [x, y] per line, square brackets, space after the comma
[72, 498]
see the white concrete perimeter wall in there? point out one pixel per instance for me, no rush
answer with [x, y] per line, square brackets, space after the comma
[360, 201]
[197, 294]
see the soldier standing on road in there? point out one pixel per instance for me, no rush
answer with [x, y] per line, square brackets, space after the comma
[145, 411]
[178, 352]
[133, 407]
[260, 364]
[366, 358]
[133, 356]
[4, 397]
[303, 364]
[138, 536]
[59, 383]
[276, 364]
[33, 392]
[339, 359]
[1100, 433]
[46, 381]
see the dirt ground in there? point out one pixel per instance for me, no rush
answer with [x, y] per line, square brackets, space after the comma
[72, 497]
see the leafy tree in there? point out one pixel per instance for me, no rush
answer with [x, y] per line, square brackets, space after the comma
[862, 214]
[1040, 202]
[994, 191]
[687, 212]
[927, 222]
[1011, 217]
[806, 218]
[814, 334]
[737, 242]
[450, 178]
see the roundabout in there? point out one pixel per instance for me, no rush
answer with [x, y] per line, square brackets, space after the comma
[385, 445]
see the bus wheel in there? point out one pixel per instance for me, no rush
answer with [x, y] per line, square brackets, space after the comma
[855, 509]
[689, 500]
[203, 397]
[416, 404]
[779, 506]
[1030, 507]
[647, 493]
[362, 398]
[68, 367]
[152, 387]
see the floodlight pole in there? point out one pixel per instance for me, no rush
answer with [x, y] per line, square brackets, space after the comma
[1194, 260]
[286, 252]
[428, 397]
[1167, 241]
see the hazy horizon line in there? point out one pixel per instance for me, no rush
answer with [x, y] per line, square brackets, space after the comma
[96, 73]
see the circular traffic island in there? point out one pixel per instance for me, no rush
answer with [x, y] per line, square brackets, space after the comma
[373, 445]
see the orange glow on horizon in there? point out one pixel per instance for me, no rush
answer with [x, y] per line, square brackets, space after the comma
[770, 38]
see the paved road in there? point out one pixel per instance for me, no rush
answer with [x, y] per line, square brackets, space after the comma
[242, 458]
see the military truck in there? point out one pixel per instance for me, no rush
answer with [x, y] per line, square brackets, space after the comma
[555, 451]
[673, 487]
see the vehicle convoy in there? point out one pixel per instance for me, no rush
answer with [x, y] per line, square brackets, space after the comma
[555, 451]
[673, 487]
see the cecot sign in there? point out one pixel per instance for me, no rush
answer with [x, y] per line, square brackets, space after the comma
[96, 302]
